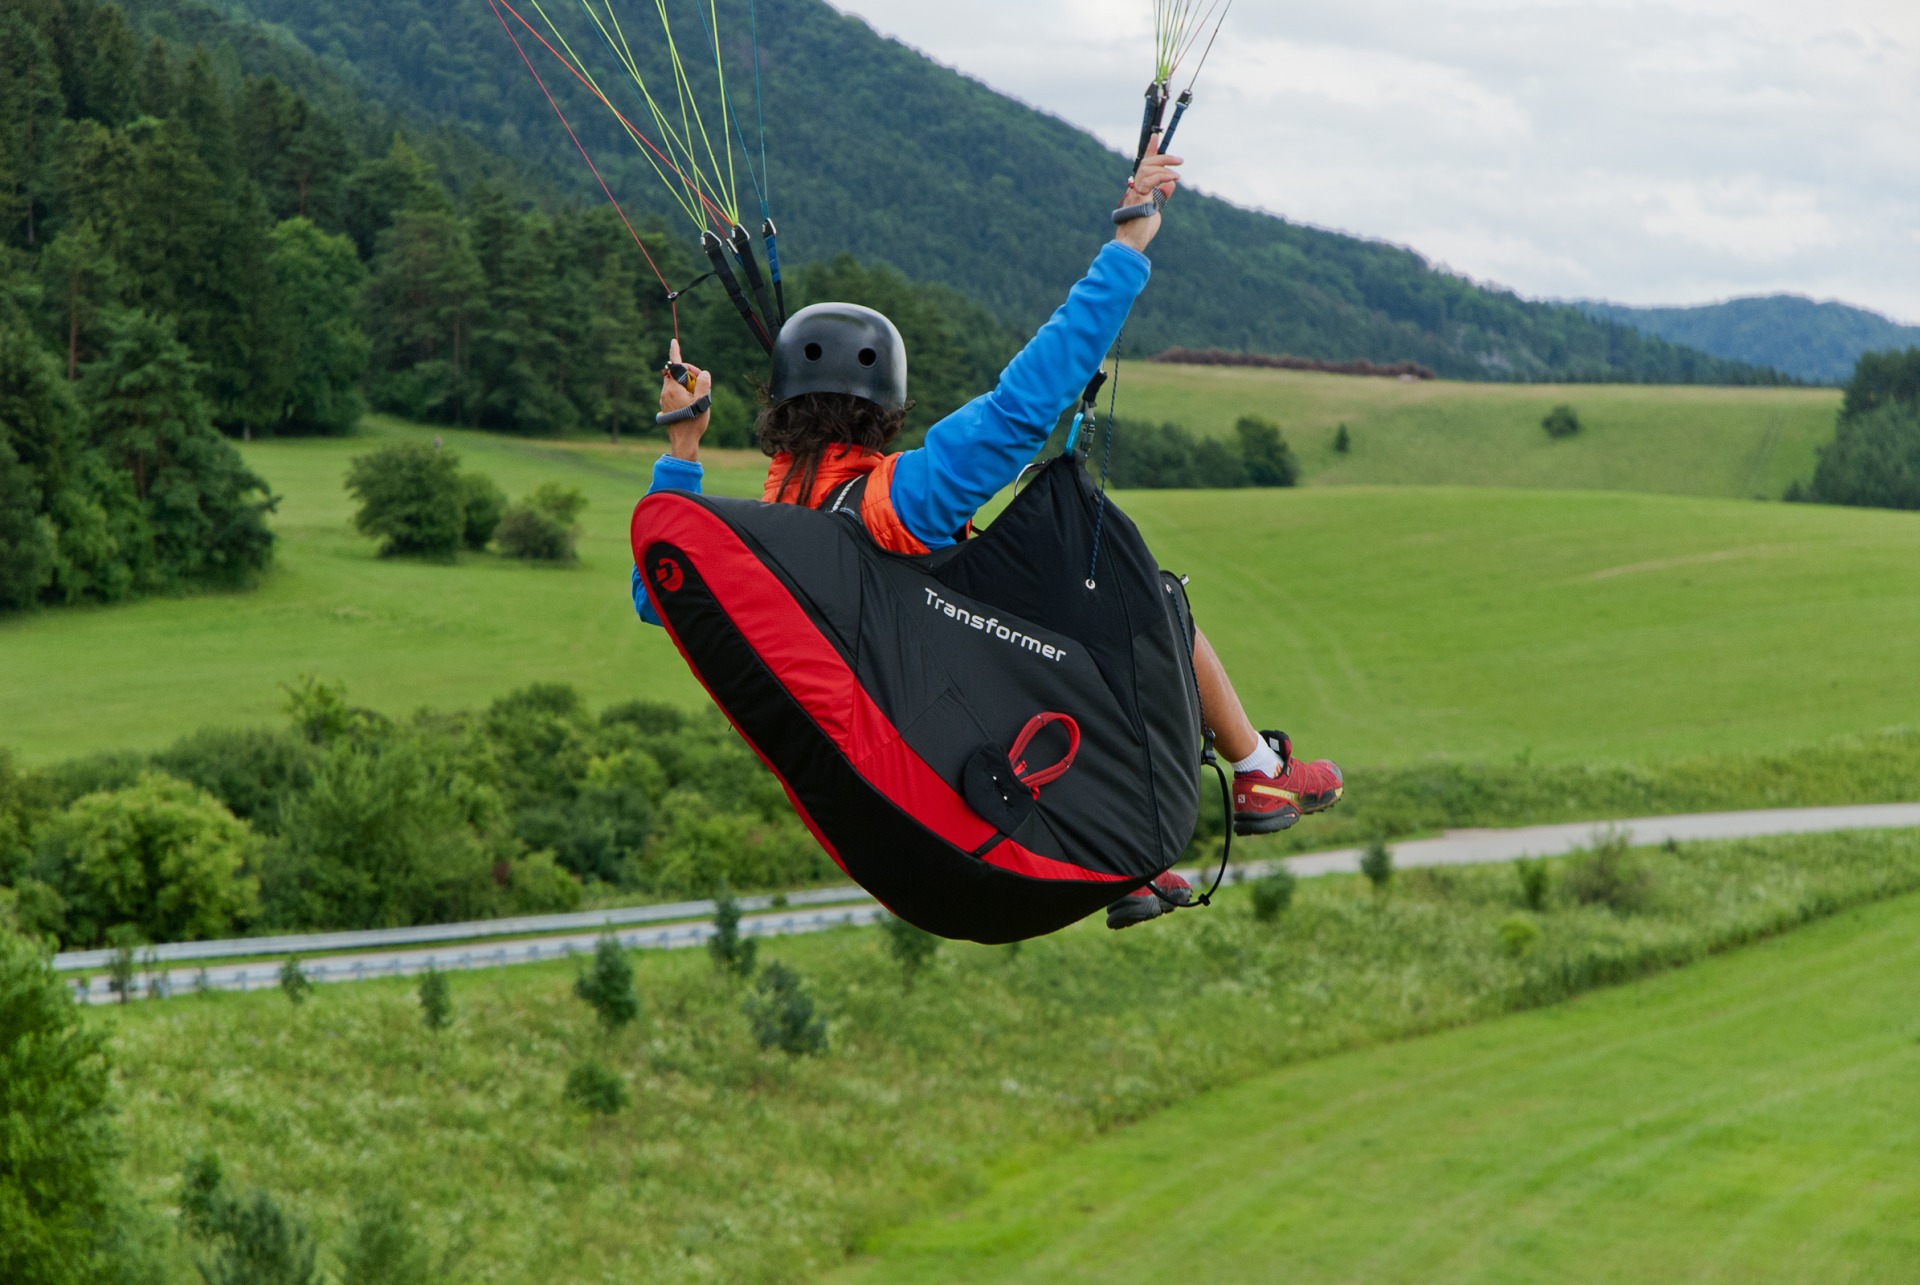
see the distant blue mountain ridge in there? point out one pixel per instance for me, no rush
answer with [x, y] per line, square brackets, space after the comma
[1815, 342]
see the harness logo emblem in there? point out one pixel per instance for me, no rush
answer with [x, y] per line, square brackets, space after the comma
[668, 576]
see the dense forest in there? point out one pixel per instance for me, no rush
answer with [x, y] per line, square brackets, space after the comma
[876, 151]
[188, 250]
[1815, 342]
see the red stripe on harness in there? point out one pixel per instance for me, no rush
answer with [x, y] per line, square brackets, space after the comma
[812, 670]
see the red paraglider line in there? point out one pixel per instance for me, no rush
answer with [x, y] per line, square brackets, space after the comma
[713, 211]
[658, 275]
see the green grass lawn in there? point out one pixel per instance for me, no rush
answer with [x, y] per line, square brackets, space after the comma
[1736, 443]
[739, 1165]
[1749, 1120]
[1378, 625]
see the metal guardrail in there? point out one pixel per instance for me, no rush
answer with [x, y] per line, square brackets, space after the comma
[581, 931]
[428, 934]
[167, 983]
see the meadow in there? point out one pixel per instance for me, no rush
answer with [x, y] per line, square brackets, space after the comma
[1749, 1119]
[1735, 443]
[735, 1164]
[1380, 625]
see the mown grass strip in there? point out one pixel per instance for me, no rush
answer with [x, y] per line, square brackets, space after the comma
[1750, 1120]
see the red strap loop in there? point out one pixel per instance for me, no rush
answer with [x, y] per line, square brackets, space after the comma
[1045, 776]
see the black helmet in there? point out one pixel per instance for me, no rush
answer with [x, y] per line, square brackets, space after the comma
[840, 348]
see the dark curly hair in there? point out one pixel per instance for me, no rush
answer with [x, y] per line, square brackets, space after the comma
[805, 426]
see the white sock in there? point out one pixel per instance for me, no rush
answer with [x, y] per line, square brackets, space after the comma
[1263, 759]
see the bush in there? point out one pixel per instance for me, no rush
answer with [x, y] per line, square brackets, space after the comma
[1535, 877]
[483, 505]
[1609, 875]
[382, 1247]
[533, 536]
[1561, 422]
[249, 770]
[436, 1000]
[911, 948]
[731, 952]
[607, 984]
[1273, 894]
[253, 1240]
[160, 855]
[594, 1088]
[1377, 865]
[411, 498]
[1268, 458]
[782, 1013]
[1518, 937]
[60, 1199]
[295, 982]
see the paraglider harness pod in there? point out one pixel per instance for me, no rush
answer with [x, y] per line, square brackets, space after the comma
[986, 741]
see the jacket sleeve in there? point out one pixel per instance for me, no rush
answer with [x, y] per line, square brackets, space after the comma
[973, 453]
[669, 474]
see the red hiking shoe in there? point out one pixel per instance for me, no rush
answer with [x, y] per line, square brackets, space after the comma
[1143, 904]
[1265, 804]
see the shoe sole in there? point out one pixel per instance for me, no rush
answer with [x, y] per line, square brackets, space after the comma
[1251, 823]
[1150, 910]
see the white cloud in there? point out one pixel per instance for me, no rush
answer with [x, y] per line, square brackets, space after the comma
[1642, 150]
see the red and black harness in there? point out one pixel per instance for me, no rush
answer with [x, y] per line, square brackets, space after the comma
[989, 745]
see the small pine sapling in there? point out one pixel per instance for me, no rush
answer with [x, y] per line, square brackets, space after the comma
[1342, 441]
[1377, 866]
[732, 953]
[782, 1013]
[607, 984]
[912, 948]
[1518, 937]
[294, 981]
[1273, 894]
[1536, 882]
[436, 1000]
[595, 1089]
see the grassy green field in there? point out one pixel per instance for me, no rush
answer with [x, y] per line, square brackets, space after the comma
[1736, 443]
[1748, 1120]
[1378, 625]
[739, 1165]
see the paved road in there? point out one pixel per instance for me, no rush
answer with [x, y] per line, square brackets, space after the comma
[377, 954]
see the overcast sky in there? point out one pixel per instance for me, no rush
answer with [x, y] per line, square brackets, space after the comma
[1645, 151]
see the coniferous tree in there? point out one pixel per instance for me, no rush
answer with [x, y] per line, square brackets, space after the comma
[206, 511]
[420, 303]
[157, 93]
[314, 347]
[30, 105]
[110, 67]
[295, 154]
[380, 189]
[80, 285]
[619, 379]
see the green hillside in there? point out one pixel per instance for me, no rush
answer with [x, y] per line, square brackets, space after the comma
[875, 149]
[1817, 342]
[1747, 1120]
[1380, 625]
[1736, 443]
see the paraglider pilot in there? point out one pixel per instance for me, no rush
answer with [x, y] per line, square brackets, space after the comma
[838, 397]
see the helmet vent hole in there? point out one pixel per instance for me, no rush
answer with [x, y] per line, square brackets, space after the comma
[868, 356]
[815, 352]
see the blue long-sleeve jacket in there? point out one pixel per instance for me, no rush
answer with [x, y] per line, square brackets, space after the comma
[972, 454]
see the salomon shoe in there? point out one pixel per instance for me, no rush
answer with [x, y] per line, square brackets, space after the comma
[1143, 904]
[1265, 804]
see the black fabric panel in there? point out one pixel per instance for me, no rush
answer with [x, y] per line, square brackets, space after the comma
[917, 875]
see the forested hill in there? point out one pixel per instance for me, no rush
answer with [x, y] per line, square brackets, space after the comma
[1816, 342]
[879, 151]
